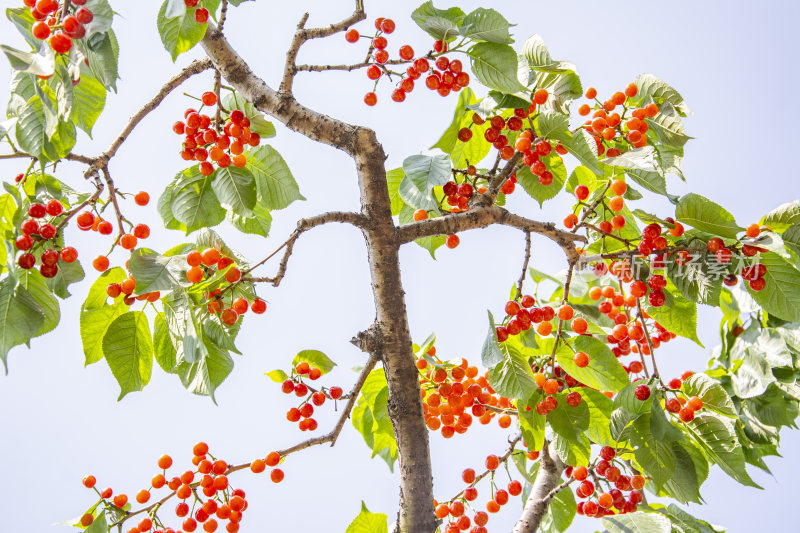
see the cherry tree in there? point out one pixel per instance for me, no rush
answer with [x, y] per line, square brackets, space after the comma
[570, 374]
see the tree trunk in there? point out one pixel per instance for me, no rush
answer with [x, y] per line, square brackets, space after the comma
[547, 479]
[389, 337]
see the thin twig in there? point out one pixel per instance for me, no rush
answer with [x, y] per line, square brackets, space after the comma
[112, 195]
[525, 262]
[647, 336]
[303, 225]
[223, 15]
[347, 68]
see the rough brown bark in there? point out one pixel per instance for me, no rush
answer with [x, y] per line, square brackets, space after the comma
[545, 486]
[389, 337]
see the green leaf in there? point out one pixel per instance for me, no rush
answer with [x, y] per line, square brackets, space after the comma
[536, 190]
[711, 392]
[100, 525]
[36, 285]
[367, 522]
[179, 34]
[492, 351]
[97, 297]
[316, 359]
[783, 216]
[438, 23]
[704, 215]
[562, 509]
[678, 315]
[753, 376]
[165, 210]
[278, 376]
[162, 345]
[699, 279]
[259, 224]
[128, 349]
[603, 372]
[275, 184]
[600, 408]
[154, 272]
[30, 130]
[102, 53]
[661, 427]
[650, 88]
[194, 202]
[572, 452]
[495, 66]
[569, 422]
[393, 179]
[258, 122]
[668, 127]
[207, 373]
[486, 25]
[422, 174]
[641, 522]
[552, 122]
[684, 485]
[718, 441]
[41, 63]
[512, 377]
[582, 146]
[236, 190]
[103, 17]
[371, 418]
[21, 317]
[683, 522]
[655, 457]
[532, 425]
[781, 295]
[68, 273]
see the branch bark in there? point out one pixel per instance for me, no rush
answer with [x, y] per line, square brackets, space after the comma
[390, 337]
[481, 217]
[544, 489]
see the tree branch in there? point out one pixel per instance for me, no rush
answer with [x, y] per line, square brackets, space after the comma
[347, 68]
[302, 35]
[545, 487]
[330, 437]
[525, 262]
[481, 217]
[303, 225]
[195, 67]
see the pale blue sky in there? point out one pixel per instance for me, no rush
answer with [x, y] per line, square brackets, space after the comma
[734, 62]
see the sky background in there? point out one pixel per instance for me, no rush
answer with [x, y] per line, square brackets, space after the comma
[734, 64]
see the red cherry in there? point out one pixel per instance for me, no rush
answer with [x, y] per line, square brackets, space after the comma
[351, 35]
[54, 208]
[69, 254]
[26, 261]
[60, 43]
[84, 15]
[201, 15]
[642, 392]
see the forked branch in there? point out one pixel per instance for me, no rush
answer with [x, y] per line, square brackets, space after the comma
[304, 34]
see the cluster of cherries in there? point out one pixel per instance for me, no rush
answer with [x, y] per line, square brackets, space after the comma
[201, 14]
[126, 288]
[40, 228]
[445, 76]
[56, 26]
[520, 316]
[685, 408]
[454, 394]
[203, 143]
[86, 221]
[607, 126]
[206, 264]
[454, 510]
[302, 414]
[222, 502]
[605, 502]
